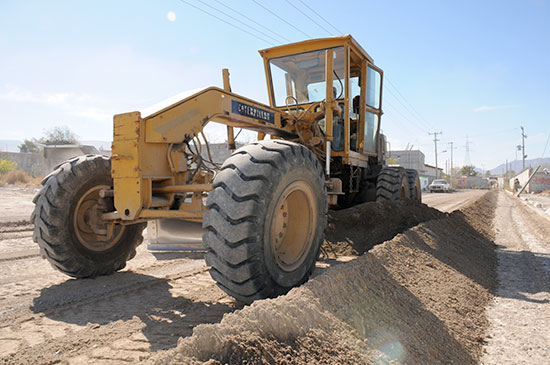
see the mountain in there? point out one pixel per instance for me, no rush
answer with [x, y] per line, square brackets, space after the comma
[517, 165]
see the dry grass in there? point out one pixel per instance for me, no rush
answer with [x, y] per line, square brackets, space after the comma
[18, 177]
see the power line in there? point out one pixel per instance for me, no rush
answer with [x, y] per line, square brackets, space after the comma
[320, 16]
[226, 22]
[405, 99]
[404, 116]
[307, 16]
[237, 20]
[253, 21]
[280, 18]
[407, 109]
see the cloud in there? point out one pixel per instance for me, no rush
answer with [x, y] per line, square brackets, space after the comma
[78, 105]
[494, 107]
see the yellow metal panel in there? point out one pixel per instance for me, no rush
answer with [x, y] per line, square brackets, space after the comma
[314, 44]
[125, 159]
[126, 164]
[126, 126]
[128, 197]
[152, 213]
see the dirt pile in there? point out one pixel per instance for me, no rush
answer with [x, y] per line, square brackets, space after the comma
[356, 230]
[418, 298]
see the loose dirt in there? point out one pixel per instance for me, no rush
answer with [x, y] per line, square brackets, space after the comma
[520, 313]
[418, 298]
[16, 204]
[356, 230]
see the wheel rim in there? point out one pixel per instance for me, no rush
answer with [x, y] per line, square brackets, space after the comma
[90, 229]
[293, 226]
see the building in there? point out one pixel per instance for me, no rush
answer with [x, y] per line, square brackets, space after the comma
[415, 159]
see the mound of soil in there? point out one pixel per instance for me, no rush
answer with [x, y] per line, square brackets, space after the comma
[356, 230]
[419, 298]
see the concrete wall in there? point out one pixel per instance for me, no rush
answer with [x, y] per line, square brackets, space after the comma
[540, 182]
[54, 155]
[522, 177]
[32, 163]
[471, 182]
[414, 159]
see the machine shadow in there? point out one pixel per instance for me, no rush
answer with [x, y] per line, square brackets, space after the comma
[164, 317]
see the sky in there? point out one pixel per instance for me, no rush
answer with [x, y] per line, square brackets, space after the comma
[474, 70]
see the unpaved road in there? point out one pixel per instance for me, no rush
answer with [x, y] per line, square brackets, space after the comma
[447, 202]
[520, 314]
[46, 317]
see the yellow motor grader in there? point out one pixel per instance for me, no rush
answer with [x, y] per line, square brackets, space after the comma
[264, 209]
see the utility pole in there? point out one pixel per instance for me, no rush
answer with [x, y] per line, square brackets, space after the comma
[451, 143]
[435, 141]
[467, 160]
[523, 136]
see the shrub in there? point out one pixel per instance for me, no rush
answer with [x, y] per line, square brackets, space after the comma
[19, 177]
[7, 166]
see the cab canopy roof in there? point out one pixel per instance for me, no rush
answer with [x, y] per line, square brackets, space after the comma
[315, 44]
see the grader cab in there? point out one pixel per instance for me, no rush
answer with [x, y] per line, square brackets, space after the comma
[264, 209]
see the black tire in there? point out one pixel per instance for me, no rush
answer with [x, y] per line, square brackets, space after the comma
[242, 217]
[414, 185]
[56, 228]
[392, 184]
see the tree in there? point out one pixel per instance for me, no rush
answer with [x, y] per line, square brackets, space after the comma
[468, 170]
[59, 135]
[392, 161]
[29, 146]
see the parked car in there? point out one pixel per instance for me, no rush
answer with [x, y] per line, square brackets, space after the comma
[439, 186]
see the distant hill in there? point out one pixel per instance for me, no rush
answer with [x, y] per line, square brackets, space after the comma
[517, 165]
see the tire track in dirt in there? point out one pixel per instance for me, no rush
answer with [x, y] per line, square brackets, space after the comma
[128, 316]
[520, 314]
[121, 317]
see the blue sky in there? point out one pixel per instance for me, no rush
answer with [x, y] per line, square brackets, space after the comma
[466, 68]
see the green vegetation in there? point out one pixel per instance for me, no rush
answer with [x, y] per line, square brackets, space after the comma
[6, 166]
[54, 136]
[468, 170]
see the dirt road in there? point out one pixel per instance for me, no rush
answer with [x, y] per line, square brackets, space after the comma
[447, 202]
[520, 314]
[46, 317]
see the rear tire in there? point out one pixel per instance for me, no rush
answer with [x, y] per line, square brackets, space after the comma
[392, 184]
[414, 185]
[266, 220]
[66, 219]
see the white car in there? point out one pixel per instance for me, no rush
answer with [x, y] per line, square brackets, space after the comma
[439, 186]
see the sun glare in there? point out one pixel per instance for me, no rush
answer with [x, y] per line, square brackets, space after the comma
[171, 16]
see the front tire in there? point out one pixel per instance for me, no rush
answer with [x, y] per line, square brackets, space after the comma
[67, 223]
[266, 220]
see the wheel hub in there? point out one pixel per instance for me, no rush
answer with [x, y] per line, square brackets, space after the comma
[293, 226]
[91, 230]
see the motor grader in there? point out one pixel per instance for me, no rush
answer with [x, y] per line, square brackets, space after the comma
[265, 208]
